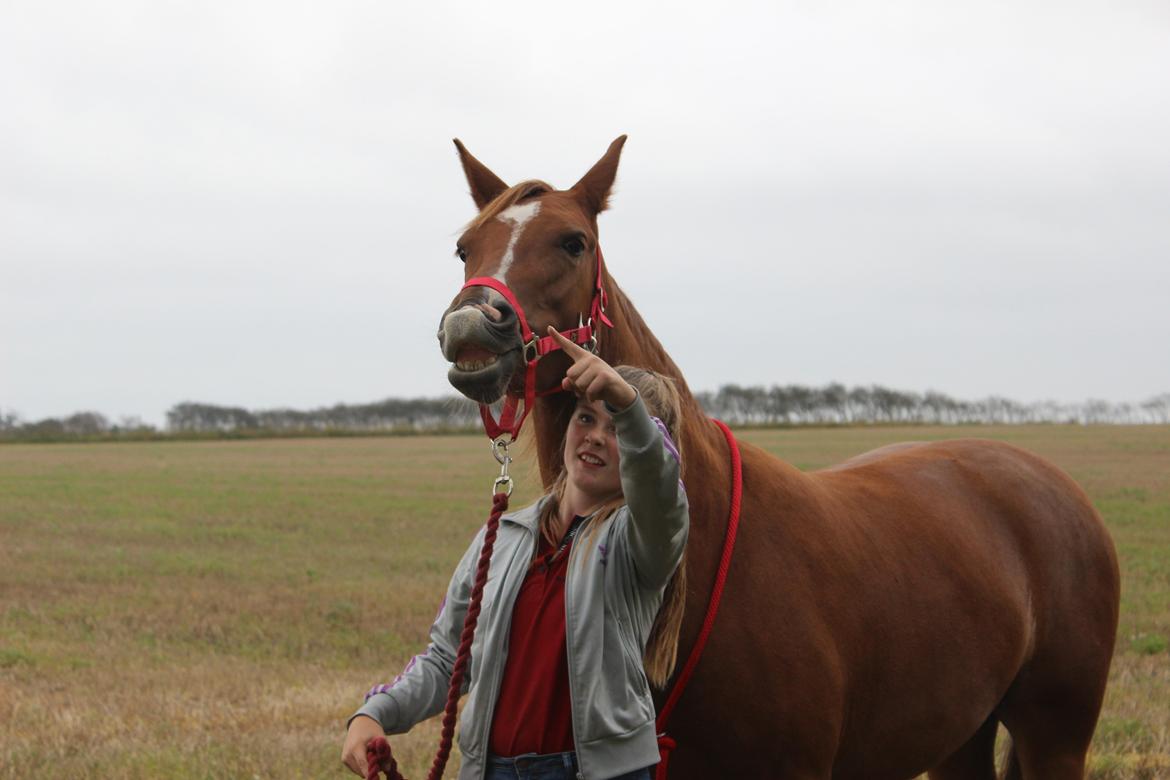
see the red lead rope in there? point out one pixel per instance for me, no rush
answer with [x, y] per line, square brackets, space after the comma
[378, 755]
[665, 743]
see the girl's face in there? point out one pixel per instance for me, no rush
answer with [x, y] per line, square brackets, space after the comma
[591, 452]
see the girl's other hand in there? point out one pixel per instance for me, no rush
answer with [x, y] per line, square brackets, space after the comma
[362, 731]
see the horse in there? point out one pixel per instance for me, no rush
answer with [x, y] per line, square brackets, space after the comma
[881, 617]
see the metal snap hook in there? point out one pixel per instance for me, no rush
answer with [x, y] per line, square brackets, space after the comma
[503, 483]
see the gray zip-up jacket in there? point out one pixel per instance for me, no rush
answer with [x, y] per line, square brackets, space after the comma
[613, 590]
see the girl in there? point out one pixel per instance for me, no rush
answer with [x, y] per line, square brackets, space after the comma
[574, 602]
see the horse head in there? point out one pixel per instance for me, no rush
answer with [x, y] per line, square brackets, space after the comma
[541, 244]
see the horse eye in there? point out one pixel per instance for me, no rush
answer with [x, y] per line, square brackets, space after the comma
[574, 246]
[461, 253]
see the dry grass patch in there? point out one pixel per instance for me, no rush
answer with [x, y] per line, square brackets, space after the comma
[217, 609]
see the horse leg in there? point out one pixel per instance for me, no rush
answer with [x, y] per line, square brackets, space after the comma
[975, 760]
[1038, 759]
[1051, 725]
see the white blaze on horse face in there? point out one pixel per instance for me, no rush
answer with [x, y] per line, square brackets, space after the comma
[519, 215]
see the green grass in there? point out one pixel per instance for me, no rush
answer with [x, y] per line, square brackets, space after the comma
[215, 609]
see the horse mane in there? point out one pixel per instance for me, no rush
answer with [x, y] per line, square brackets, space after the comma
[528, 188]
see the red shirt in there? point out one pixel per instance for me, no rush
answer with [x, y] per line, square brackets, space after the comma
[534, 711]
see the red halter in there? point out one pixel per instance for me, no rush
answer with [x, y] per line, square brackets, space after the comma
[535, 347]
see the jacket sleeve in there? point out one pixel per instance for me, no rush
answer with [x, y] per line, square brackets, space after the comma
[420, 691]
[659, 515]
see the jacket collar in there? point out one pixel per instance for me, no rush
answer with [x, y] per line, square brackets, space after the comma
[528, 517]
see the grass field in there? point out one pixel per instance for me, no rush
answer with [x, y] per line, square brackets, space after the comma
[217, 609]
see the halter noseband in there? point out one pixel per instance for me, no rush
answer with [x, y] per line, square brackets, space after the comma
[535, 347]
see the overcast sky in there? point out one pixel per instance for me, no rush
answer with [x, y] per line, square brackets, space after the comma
[255, 203]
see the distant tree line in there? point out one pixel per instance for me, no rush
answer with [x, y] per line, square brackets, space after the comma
[200, 420]
[833, 404]
[79, 425]
[391, 415]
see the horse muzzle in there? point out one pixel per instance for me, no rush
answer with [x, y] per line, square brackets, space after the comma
[485, 354]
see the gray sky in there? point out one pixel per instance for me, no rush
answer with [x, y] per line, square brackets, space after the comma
[256, 203]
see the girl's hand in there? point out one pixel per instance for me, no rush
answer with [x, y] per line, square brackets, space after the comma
[592, 378]
[362, 731]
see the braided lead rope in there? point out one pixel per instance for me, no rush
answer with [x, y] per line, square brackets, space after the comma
[379, 757]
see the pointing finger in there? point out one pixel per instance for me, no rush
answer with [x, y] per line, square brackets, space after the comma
[575, 351]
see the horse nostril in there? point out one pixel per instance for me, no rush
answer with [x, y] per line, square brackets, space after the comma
[494, 314]
[491, 312]
[506, 315]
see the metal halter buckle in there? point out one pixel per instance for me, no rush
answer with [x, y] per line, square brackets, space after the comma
[591, 344]
[530, 351]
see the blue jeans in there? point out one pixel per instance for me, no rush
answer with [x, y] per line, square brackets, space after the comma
[554, 766]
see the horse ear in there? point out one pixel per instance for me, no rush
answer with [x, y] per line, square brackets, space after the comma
[593, 189]
[485, 185]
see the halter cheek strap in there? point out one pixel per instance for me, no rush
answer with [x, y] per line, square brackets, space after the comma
[534, 348]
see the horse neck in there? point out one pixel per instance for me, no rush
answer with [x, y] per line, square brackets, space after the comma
[631, 342]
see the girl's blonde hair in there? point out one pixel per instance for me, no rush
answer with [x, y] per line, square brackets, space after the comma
[661, 398]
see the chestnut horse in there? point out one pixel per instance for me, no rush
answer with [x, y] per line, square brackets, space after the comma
[881, 617]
